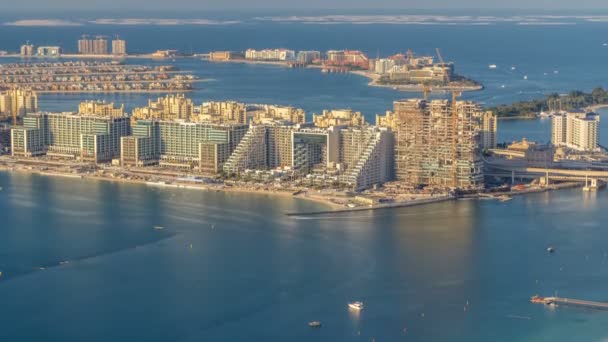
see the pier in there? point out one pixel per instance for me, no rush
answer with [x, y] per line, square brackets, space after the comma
[570, 302]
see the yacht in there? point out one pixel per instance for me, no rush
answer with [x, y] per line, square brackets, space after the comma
[314, 324]
[492, 66]
[355, 305]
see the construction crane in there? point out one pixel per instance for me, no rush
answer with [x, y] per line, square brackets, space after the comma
[446, 75]
[425, 90]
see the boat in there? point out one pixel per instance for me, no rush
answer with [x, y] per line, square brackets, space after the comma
[492, 66]
[525, 77]
[159, 227]
[512, 68]
[314, 324]
[355, 306]
[550, 249]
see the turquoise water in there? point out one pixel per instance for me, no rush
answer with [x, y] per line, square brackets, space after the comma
[259, 275]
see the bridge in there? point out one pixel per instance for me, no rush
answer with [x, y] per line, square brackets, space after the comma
[569, 301]
[521, 169]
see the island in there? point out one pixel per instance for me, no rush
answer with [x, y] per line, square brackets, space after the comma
[552, 103]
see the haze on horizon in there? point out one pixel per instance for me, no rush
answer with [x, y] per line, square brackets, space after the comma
[186, 5]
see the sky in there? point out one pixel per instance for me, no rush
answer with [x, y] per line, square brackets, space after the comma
[185, 5]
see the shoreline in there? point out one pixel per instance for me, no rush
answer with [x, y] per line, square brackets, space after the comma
[190, 186]
[175, 181]
[410, 87]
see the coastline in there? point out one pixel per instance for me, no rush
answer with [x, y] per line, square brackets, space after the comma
[176, 181]
[19, 168]
[409, 87]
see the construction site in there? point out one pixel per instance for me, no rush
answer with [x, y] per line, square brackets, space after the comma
[438, 143]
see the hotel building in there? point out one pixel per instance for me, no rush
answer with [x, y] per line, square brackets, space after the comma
[69, 135]
[576, 130]
[200, 146]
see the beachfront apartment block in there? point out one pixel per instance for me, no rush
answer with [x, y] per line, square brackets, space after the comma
[200, 146]
[308, 57]
[578, 130]
[70, 136]
[283, 55]
[48, 51]
[355, 157]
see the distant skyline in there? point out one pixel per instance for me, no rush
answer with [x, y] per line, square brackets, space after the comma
[186, 5]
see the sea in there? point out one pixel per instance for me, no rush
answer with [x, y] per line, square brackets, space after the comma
[88, 260]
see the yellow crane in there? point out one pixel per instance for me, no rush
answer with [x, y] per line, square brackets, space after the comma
[446, 75]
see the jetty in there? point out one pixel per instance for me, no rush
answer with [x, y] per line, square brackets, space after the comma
[569, 301]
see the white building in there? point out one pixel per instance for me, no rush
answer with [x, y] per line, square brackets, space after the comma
[270, 55]
[576, 130]
[384, 65]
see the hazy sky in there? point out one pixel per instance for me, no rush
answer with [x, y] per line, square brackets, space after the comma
[184, 5]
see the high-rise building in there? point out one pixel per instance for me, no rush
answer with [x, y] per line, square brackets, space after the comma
[93, 46]
[69, 135]
[577, 130]
[437, 143]
[489, 127]
[119, 47]
[187, 145]
[27, 50]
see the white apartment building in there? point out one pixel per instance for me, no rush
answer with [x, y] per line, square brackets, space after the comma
[270, 55]
[576, 130]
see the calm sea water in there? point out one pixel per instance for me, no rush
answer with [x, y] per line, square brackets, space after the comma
[259, 275]
[232, 267]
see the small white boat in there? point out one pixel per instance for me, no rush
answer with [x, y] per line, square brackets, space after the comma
[159, 227]
[502, 86]
[314, 324]
[525, 77]
[512, 68]
[356, 306]
[492, 66]
[550, 249]
[605, 44]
